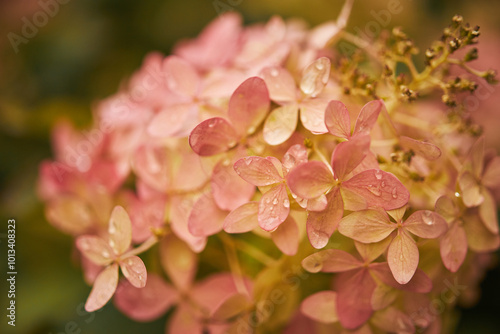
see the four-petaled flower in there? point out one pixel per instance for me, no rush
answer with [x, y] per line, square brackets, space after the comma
[374, 225]
[362, 285]
[112, 253]
[369, 188]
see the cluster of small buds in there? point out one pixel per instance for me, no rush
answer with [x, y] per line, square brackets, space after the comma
[248, 153]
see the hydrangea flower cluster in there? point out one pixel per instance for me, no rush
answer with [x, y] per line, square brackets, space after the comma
[253, 158]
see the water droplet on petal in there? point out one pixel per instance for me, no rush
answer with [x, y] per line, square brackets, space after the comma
[105, 253]
[130, 262]
[294, 196]
[428, 218]
[274, 72]
[248, 161]
[394, 193]
[378, 174]
[112, 243]
[275, 201]
[267, 201]
[457, 194]
[251, 130]
[382, 184]
[286, 203]
[374, 190]
[226, 162]
[320, 65]
[401, 257]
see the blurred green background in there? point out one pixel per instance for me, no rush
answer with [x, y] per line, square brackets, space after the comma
[81, 55]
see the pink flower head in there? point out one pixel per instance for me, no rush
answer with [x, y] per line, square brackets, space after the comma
[112, 253]
[370, 188]
[373, 225]
[248, 106]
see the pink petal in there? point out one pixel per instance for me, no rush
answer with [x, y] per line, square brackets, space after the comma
[184, 321]
[368, 117]
[426, 150]
[232, 307]
[189, 173]
[352, 200]
[134, 270]
[367, 226]
[249, 105]
[315, 77]
[383, 296]
[322, 224]
[206, 218]
[419, 283]
[120, 230]
[479, 238]
[447, 208]
[337, 119]
[488, 212]
[280, 124]
[398, 214]
[392, 320]
[213, 136]
[354, 306]
[216, 45]
[471, 190]
[322, 307]
[477, 157]
[298, 324]
[242, 219]
[145, 216]
[371, 251]
[70, 214]
[321, 35]
[426, 224]
[349, 154]
[294, 156]
[453, 247]
[312, 115]
[150, 163]
[228, 189]
[317, 204]
[286, 237]
[310, 179]
[258, 171]
[491, 176]
[274, 207]
[212, 292]
[331, 261]
[179, 262]
[280, 83]
[180, 209]
[103, 289]
[148, 303]
[403, 257]
[174, 121]
[54, 178]
[95, 249]
[379, 189]
[181, 76]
